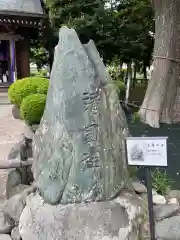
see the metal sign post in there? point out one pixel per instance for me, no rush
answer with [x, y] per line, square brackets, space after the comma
[147, 152]
[150, 203]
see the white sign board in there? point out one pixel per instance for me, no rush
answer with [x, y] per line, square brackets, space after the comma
[147, 151]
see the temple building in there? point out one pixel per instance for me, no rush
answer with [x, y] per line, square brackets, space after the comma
[20, 20]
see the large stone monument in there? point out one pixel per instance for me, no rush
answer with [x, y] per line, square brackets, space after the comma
[79, 148]
[79, 155]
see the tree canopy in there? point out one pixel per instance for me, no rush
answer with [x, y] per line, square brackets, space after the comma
[120, 29]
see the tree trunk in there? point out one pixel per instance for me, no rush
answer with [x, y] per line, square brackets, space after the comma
[134, 74]
[129, 72]
[144, 72]
[176, 107]
[159, 98]
[126, 76]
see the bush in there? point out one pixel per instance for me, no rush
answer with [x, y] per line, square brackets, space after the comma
[25, 87]
[14, 92]
[161, 181]
[32, 108]
[43, 86]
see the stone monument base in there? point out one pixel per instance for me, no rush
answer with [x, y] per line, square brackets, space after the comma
[120, 219]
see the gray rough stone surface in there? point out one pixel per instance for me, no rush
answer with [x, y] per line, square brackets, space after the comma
[6, 224]
[21, 175]
[17, 189]
[14, 179]
[174, 194]
[15, 205]
[5, 237]
[28, 132]
[17, 178]
[165, 211]
[139, 187]
[173, 201]
[168, 229]
[82, 131]
[35, 127]
[16, 112]
[15, 151]
[119, 219]
[15, 235]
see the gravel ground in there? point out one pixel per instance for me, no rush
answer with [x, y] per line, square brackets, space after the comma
[10, 132]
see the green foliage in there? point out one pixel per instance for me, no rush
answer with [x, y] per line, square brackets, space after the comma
[119, 86]
[161, 181]
[25, 87]
[136, 117]
[120, 29]
[38, 55]
[32, 108]
[115, 72]
[42, 85]
[72, 12]
[43, 73]
[116, 75]
[14, 92]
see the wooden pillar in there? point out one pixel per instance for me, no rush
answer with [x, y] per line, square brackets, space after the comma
[12, 70]
[22, 58]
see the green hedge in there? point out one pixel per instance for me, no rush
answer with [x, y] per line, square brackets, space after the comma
[25, 87]
[32, 108]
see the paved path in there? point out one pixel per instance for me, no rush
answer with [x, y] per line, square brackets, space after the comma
[10, 132]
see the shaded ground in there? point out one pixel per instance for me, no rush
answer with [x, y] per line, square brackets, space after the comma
[10, 132]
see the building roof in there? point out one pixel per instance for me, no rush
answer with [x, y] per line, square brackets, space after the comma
[21, 7]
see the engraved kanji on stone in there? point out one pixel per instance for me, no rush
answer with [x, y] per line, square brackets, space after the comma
[90, 99]
[91, 159]
[90, 133]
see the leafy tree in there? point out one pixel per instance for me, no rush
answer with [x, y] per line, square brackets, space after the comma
[119, 28]
[42, 48]
[38, 54]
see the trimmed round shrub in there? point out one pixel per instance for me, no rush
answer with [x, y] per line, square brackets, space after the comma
[14, 92]
[32, 108]
[25, 87]
[43, 86]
